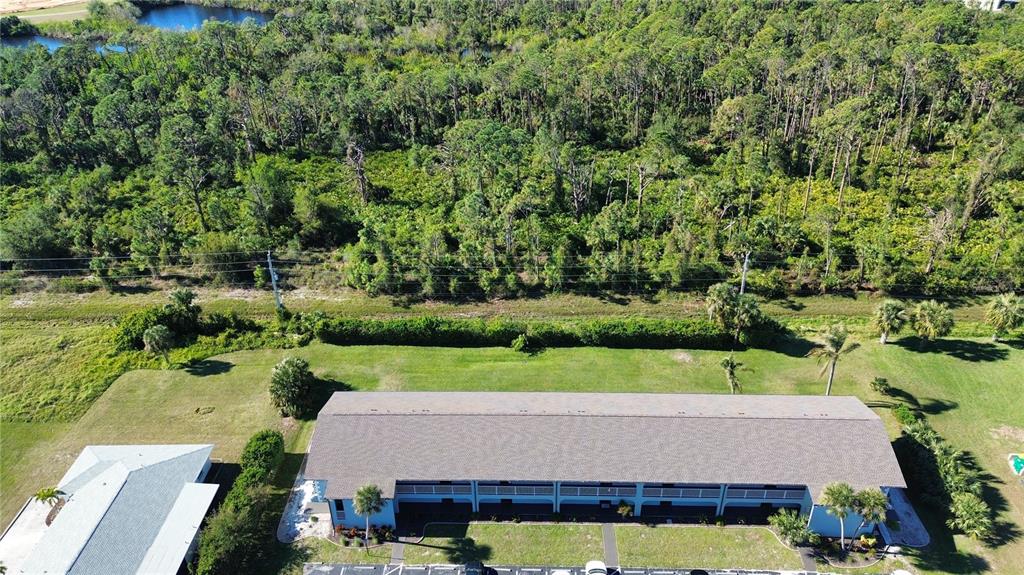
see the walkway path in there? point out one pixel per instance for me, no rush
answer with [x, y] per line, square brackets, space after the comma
[807, 558]
[911, 532]
[611, 549]
[398, 550]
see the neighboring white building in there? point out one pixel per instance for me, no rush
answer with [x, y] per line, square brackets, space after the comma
[128, 509]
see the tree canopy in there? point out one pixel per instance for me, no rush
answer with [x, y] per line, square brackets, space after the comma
[471, 148]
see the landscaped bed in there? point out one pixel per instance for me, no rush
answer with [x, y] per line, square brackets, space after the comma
[703, 547]
[324, 551]
[564, 545]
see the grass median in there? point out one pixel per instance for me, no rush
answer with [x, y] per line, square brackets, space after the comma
[703, 547]
[564, 545]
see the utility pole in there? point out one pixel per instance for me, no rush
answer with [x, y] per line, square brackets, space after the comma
[273, 281]
[743, 278]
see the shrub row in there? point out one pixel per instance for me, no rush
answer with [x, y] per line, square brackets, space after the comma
[232, 539]
[436, 331]
[944, 478]
[261, 457]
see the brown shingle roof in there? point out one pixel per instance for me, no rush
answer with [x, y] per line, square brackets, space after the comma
[381, 437]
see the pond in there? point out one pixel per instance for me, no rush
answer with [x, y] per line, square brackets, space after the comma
[27, 41]
[52, 44]
[191, 16]
[172, 17]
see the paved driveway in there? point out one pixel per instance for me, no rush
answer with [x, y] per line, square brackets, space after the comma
[345, 569]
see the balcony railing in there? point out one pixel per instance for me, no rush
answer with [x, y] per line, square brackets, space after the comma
[738, 493]
[515, 490]
[682, 492]
[595, 491]
[432, 489]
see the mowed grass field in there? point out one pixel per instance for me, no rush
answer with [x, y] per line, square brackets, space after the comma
[563, 545]
[706, 547]
[971, 390]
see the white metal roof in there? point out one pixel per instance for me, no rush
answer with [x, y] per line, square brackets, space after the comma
[179, 529]
[120, 502]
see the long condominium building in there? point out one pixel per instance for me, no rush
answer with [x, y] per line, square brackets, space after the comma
[681, 457]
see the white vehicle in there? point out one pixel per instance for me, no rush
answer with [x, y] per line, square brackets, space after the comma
[595, 568]
[560, 572]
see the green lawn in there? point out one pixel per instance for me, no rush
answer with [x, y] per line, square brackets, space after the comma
[508, 544]
[320, 550]
[702, 547]
[141, 407]
[969, 388]
[70, 11]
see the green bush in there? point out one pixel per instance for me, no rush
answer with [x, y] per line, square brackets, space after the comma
[264, 451]
[216, 323]
[291, 386]
[881, 385]
[127, 335]
[71, 284]
[904, 414]
[792, 527]
[233, 539]
[521, 344]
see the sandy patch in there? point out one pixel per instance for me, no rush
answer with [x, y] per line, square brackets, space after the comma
[243, 294]
[21, 303]
[683, 357]
[1008, 432]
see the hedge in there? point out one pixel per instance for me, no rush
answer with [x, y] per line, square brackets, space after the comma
[263, 453]
[436, 331]
[236, 533]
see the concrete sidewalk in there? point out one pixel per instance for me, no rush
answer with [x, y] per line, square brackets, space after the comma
[912, 532]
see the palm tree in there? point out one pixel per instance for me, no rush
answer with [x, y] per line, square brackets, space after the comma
[890, 317]
[1004, 313]
[838, 499]
[158, 340]
[834, 346]
[745, 314]
[931, 320]
[182, 297]
[368, 501]
[730, 365]
[720, 302]
[49, 495]
[871, 505]
[970, 515]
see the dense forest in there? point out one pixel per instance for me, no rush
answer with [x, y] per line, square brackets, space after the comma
[475, 148]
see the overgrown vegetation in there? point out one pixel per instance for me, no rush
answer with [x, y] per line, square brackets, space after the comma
[476, 149]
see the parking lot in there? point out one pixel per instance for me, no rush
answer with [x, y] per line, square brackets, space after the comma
[347, 569]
